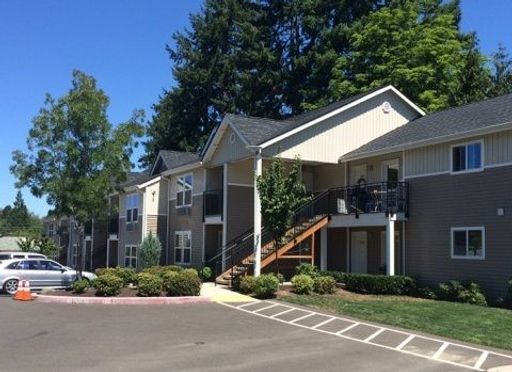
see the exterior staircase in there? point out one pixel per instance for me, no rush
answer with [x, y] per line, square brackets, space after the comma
[237, 257]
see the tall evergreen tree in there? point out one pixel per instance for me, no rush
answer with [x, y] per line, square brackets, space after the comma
[501, 65]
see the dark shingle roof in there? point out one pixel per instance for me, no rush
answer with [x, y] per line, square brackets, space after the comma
[137, 178]
[453, 121]
[174, 159]
[259, 130]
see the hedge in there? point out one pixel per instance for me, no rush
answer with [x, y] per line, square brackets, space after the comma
[182, 283]
[149, 285]
[380, 284]
[107, 285]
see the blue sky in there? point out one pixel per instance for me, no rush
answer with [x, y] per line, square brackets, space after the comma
[122, 44]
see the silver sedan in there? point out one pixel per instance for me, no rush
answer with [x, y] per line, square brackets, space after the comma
[41, 273]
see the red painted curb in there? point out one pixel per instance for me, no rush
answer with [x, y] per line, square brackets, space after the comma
[122, 300]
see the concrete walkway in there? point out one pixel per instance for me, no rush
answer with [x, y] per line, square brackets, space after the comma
[220, 293]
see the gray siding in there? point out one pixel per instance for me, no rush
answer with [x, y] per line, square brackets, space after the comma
[187, 219]
[228, 151]
[240, 210]
[439, 203]
[128, 237]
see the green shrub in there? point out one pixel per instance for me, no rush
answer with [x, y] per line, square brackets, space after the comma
[206, 274]
[426, 292]
[149, 285]
[306, 269]
[338, 276]
[266, 286]
[280, 277]
[100, 271]
[507, 299]
[303, 284]
[127, 274]
[247, 284]
[80, 286]
[108, 285]
[324, 285]
[150, 251]
[455, 291]
[182, 283]
[379, 284]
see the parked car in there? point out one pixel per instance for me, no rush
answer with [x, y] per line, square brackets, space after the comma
[42, 273]
[18, 254]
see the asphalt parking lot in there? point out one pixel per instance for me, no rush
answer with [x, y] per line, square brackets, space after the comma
[197, 337]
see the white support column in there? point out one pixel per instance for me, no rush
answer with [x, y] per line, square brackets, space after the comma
[258, 167]
[224, 212]
[323, 248]
[108, 252]
[390, 246]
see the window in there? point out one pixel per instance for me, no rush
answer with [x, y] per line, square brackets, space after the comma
[183, 247]
[12, 266]
[184, 191]
[130, 256]
[29, 265]
[468, 242]
[50, 265]
[132, 208]
[467, 157]
[51, 229]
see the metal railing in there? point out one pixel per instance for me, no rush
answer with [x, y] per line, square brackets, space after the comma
[212, 203]
[382, 197]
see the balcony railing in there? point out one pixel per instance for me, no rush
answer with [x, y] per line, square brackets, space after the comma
[212, 203]
[113, 225]
[383, 197]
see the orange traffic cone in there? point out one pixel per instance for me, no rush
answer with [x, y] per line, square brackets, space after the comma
[23, 291]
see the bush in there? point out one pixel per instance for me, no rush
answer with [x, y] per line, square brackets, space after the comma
[306, 269]
[182, 283]
[108, 285]
[426, 292]
[280, 277]
[127, 274]
[266, 286]
[303, 284]
[324, 285]
[338, 276]
[380, 284]
[206, 274]
[149, 285]
[150, 251]
[80, 286]
[455, 291]
[507, 299]
[247, 284]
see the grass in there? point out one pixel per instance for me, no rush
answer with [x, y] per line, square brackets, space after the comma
[469, 323]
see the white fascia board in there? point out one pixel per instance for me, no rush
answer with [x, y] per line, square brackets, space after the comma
[150, 182]
[214, 143]
[340, 110]
[430, 141]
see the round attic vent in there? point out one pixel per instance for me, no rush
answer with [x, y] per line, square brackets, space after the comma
[386, 107]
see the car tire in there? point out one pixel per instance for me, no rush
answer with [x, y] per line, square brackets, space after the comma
[10, 286]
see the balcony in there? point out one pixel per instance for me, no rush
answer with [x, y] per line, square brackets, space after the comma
[212, 204]
[390, 198]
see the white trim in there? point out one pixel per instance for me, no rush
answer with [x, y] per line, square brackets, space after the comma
[430, 141]
[184, 205]
[183, 248]
[466, 144]
[144, 215]
[427, 174]
[215, 141]
[240, 184]
[498, 165]
[150, 182]
[131, 257]
[403, 248]
[467, 229]
[340, 110]
[225, 169]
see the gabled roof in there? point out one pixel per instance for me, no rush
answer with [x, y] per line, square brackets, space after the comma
[262, 132]
[174, 159]
[137, 178]
[492, 114]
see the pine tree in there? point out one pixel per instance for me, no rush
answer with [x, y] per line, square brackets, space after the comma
[502, 72]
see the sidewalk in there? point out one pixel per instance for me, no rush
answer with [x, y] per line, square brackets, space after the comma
[220, 293]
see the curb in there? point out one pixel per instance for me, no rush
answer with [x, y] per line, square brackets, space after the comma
[122, 300]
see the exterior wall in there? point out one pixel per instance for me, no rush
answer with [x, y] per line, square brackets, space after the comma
[337, 249]
[438, 203]
[327, 176]
[240, 210]
[157, 225]
[374, 167]
[99, 243]
[128, 237]
[435, 159]
[157, 197]
[214, 178]
[229, 151]
[211, 240]
[187, 219]
[342, 133]
[198, 183]
[241, 172]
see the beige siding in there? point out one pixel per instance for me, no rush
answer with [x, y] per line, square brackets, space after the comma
[498, 148]
[241, 172]
[240, 210]
[374, 167]
[342, 133]
[197, 183]
[227, 151]
[157, 198]
[327, 176]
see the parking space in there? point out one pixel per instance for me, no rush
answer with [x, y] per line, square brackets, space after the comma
[421, 346]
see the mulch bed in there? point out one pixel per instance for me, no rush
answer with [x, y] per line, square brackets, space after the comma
[91, 292]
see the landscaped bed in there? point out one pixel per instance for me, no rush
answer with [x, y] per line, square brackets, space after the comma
[470, 323]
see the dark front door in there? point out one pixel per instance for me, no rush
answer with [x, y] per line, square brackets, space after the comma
[113, 254]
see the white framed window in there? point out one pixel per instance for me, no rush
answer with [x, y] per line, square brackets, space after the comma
[183, 247]
[184, 190]
[51, 229]
[130, 256]
[468, 242]
[467, 157]
[132, 208]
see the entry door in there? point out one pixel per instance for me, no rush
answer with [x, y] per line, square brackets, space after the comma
[113, 254]
[359, 252]
[390, 170]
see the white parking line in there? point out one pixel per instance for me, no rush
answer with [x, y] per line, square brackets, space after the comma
[478, 365]
[244, 305]
[371, 337]
[266, 307]
[323, 323]
[405, 342]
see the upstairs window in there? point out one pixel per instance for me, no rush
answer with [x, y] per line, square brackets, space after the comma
[467, 157]
[468, 242]
[132, 208]
[184, 191]
[51, 229]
